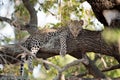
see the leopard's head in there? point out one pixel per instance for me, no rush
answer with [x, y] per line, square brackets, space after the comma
[75, 27]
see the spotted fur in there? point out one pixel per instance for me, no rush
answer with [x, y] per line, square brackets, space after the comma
[38, 39]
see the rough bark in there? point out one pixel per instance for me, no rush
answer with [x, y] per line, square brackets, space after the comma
[98, 6]
[87, 41]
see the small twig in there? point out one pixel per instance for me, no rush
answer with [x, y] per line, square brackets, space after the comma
[112, 68]
[11, 22]
[97, 56]
[82, 74]
[27, 51]
[22, 54]
[3, 58]
[105, 65]
[3, 36]
[76, 62]
[5, 19]
[47, 9]
[51, 64]
[11, 57]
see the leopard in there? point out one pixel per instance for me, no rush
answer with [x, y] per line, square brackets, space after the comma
[36, 41]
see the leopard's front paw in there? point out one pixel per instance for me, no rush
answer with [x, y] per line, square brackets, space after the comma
[63, 53]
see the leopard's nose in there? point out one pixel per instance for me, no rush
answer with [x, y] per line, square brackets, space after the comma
[75, 35]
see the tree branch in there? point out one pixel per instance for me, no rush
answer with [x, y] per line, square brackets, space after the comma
[12, 22]
[111, 68]
[33, 19]
[32, 12]
[87, 41]
[76, 62]
[5, 19]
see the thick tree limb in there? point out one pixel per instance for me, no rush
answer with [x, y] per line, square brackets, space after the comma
[32, 12]
[94, 70]
[87, 41]
[33, 17]
[104, 70]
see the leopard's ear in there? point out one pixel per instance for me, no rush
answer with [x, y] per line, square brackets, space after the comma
[81, 22]
[68, 22]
